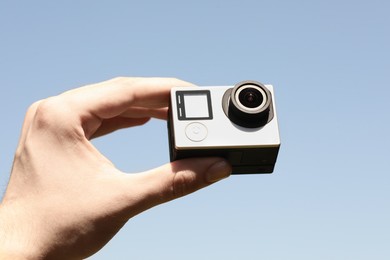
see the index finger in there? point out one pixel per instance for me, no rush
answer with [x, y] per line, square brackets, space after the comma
[113, 97]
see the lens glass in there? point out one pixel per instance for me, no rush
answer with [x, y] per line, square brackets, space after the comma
[250, 97]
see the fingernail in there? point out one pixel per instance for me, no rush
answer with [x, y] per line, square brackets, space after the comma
[218, 171]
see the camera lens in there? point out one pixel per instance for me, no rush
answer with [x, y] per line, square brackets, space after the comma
[250, 97]
[248, 104]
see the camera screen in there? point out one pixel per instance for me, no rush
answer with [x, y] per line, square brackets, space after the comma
[194, 105]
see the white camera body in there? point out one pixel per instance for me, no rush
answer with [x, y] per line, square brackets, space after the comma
[237, 122]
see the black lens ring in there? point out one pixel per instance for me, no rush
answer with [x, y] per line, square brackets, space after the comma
[248, 117]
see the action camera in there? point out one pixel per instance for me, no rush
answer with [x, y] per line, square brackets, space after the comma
[237, 122]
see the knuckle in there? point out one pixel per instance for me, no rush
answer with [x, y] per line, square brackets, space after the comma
[173, 79]
[45, 110]
[33, 107]
[181, 184]
[51, 112]
[118, 79]
[122, 80]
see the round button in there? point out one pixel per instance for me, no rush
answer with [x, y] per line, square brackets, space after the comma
[196, 132]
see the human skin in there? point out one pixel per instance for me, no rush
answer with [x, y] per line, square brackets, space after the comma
[65, 200]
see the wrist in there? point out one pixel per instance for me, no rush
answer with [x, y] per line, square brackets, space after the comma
[18, 239]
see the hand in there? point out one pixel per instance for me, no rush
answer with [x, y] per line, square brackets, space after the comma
[64, 198]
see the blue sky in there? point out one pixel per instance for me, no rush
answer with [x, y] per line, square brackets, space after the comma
[329, 62]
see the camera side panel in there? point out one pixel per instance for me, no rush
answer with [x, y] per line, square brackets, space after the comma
[243, 161]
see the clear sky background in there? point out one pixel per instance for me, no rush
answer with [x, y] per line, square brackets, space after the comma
[329, 62]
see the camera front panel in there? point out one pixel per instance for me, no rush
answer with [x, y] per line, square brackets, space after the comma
[198, 127]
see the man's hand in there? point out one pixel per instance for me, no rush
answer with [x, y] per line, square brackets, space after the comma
[65, 199]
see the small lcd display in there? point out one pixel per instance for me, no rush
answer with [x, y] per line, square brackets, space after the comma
[194, 104]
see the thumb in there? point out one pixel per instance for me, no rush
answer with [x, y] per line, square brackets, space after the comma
[178, 179]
